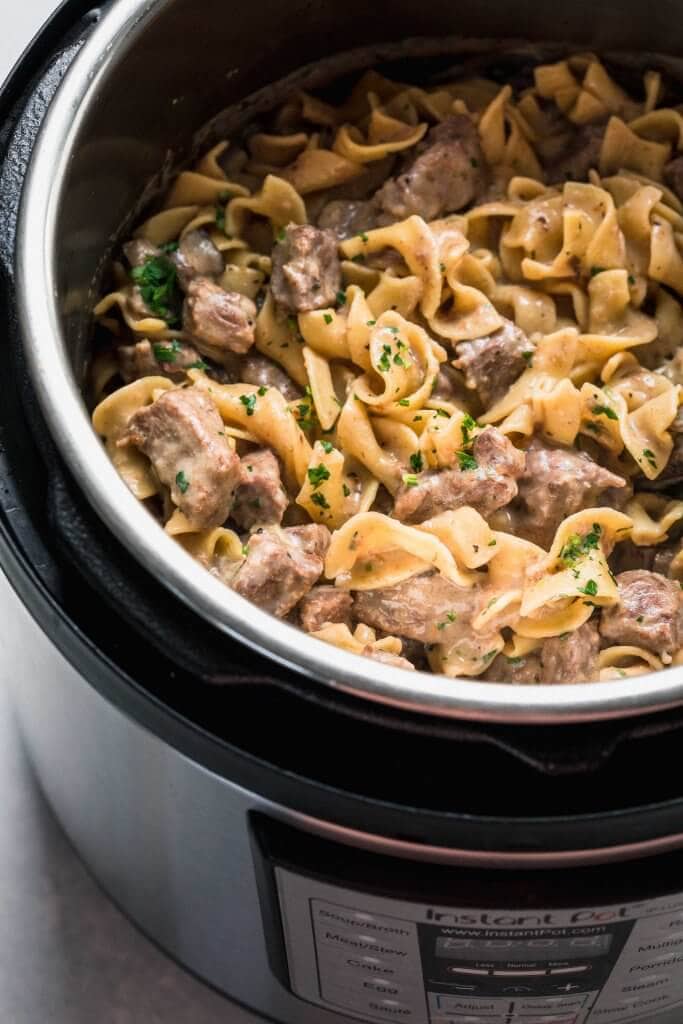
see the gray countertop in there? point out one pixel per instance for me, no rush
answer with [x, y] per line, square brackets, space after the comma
[67, 955]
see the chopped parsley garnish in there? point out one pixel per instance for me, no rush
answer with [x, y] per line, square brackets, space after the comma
[528, 357]
[363, 237]
[441, 625]
[578, 546]
[169, 247]
[327, 446]
[514, 661]
[403, 401]
[341, 298]
[220, 218]
[410, 480]
[594, 427]
[317, 475]
[650, 456]
[182, 481]
[292, 323]
[157, 281]
[416, 462]
[370, 323]
[489, 655]
[467, 461]
[442, 268]
[399, 360]
[442, 412]
[281, 235]
[198, 364]
[467, 426]
[631, 280]
[249, 403]
[167, 352]
[245, 550]
[597, 270]
[346, 490]
[320, 500]
[492, 543]
[604, 410]
[383, 363]
[327, 317]
[307, 416]
[358, 258]
[262, 390]
[590, 590]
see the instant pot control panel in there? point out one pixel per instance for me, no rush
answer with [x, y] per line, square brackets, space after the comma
[375, 956]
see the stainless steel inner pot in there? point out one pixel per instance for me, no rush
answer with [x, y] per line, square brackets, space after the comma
[152, 73]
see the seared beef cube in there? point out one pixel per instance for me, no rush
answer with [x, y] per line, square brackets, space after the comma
[556, 483]
[492, 363]
[196, 256]
[267, 374]
[580, 157]
[486, 480]
[139, 250]
[524, 671]
[218, 321]
[182, 435]
[306, 273]
[428, 608]
[571, 658]
[260, 497]
[673, 176]
[168, 358]
[281, 567]
[395, 660]
[325, 604]
[347, 217]
[445, 176]
[649, 613]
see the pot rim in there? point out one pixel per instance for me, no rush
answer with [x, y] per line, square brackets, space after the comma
[64, 409]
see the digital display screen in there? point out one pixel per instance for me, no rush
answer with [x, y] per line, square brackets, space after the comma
[581, 947]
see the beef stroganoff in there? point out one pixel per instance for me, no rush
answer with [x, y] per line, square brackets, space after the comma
[406, 371]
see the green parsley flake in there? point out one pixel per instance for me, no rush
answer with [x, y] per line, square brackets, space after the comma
[467, 426]
[199, 364]
[467, 461]
[489, 655]
[157, 281]
[416, 462]
[281, 235]
[370, 323]
[245, 550]
[650, 456]
[327, 446]
[341, 298]
[249, 403]
[182, 481]
[590, 590]
[403, 401]
[631, 280]
[169, 247]
[327, 318]
[604, 410]
[317, 475]
[597, 270]
[528, 357]
[220, 218]
[442, 412]
[363, 237]
[492, 543]
[262, 390]
[346, 490]
[383, 364]
[577, 546]
[398, 360]
[166, 353]
[320, 500]
[410, 480]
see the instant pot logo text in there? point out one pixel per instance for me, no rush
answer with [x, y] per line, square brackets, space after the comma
[532, 918]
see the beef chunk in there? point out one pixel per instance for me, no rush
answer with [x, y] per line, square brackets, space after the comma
[673, 176]
[138, 251]
[347, 217]
[654, 558]
[427, 608]
[266, 374]
[260, 497]
[556, 483]
[325, 604]
[182, 435]
[490, 484]
[217, 320]
[492, 363]
[141, 360]
[649, 613]
[520, 671]
[445, 176]
[581, 157]
[306, 271]
[280, 567]
[395, 660]
[196, 256]
[572, 658]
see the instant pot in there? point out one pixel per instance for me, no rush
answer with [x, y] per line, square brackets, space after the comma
[318, 836]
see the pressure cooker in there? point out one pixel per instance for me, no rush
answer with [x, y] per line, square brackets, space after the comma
[322, 838]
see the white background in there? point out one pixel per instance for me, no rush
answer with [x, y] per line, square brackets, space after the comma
[67, 956]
